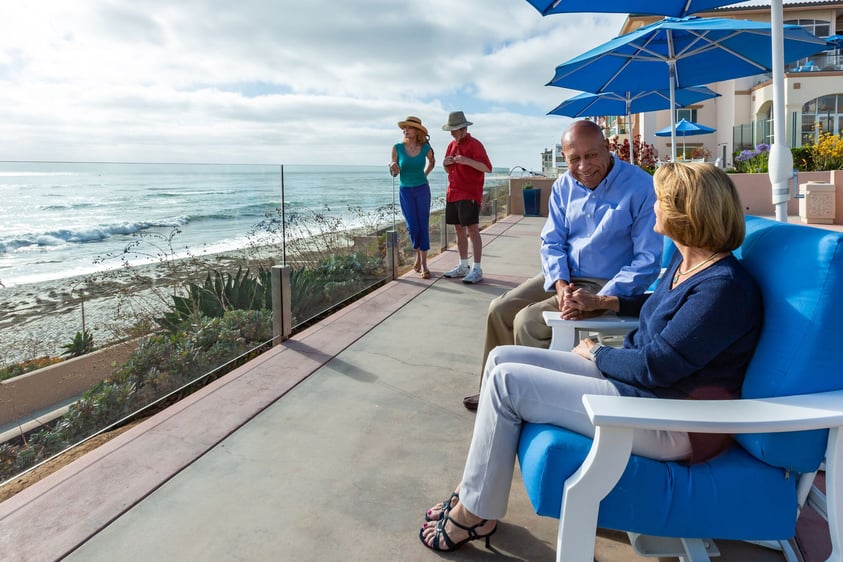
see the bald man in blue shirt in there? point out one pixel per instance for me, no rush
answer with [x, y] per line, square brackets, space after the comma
[598, 237]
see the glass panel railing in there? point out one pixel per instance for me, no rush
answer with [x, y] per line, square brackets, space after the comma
[123, 286]
[127, 286]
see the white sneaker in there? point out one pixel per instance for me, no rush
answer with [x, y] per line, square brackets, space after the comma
[474, 276]
[459, 271]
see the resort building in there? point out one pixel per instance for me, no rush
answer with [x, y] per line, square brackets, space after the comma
[742, 115]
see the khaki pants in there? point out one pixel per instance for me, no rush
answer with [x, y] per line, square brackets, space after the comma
[515, 317]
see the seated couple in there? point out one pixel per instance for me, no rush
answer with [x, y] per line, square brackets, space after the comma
[696, 335]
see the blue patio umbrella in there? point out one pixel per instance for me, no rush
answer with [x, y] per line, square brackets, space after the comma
[685, 129]
[680, 52]
[676, 8]
[613, 103]
[781, 160]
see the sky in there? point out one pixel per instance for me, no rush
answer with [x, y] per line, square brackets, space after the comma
[280, 82]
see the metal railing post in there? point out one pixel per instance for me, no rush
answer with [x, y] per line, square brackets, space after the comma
[392, 254]
[282, 315]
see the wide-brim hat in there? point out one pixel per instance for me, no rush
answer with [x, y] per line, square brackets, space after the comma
[412, 121]
[456, 120]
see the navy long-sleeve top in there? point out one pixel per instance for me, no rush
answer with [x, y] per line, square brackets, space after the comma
[693, 341]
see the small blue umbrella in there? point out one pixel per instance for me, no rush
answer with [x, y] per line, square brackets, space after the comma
[681, 52]
[612, 103]
[685, 129]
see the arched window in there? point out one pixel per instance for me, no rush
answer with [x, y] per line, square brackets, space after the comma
[822, 114]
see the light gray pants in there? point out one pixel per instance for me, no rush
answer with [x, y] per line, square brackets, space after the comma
[539, 386]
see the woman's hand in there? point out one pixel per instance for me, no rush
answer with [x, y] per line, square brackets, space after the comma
[584, 347]
[394, 169]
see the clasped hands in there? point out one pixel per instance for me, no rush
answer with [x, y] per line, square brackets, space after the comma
[576, 303]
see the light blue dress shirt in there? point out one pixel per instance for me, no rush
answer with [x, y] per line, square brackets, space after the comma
[605, 233]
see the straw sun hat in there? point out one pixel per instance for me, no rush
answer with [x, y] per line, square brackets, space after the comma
[412, 121]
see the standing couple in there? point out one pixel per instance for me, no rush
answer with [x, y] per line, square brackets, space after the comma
[466, 162]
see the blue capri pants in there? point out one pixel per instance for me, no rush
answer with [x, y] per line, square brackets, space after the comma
[415, 204]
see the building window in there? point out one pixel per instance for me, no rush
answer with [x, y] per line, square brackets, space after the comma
[821, 115]
[826, 60]
[687, 115]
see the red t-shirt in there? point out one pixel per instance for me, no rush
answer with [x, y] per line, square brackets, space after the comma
[464, 182]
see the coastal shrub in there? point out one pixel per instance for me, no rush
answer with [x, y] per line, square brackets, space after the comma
[17, 369]
[83, 342]
[220, 292]
[161, 365]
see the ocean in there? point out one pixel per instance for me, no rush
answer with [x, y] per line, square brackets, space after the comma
[60, 219]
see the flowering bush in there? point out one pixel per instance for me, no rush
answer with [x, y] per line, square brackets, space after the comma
[701, 152]
[645, 154]
[828, 152]
[753, 161]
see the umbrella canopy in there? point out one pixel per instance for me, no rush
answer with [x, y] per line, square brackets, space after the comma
[676, 8]
[611, 103]
[681, 52]
[834, 41]
[685, 129]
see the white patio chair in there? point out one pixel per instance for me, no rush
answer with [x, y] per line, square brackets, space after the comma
[786, 426]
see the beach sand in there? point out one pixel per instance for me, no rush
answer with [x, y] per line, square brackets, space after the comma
[37, 319]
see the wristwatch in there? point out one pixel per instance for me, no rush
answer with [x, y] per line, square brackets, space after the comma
[595, 349]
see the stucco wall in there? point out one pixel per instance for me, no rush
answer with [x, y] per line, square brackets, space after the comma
[756, 192]
[516, 198]
[754, 189]
[50, 386]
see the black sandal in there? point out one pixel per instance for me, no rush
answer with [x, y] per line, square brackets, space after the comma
[446, 507]
[452, 546]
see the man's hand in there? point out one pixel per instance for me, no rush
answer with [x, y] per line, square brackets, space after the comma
[579, 303]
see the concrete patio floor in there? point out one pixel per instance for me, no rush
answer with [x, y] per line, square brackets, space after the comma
[331, 446]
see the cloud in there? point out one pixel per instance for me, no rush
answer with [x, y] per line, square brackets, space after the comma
[279, 81]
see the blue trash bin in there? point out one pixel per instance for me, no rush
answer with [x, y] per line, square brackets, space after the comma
[532, 204]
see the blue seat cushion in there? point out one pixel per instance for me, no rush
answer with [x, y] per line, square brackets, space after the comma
[732, 496]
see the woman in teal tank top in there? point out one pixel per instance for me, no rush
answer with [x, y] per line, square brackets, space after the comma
[413, 160]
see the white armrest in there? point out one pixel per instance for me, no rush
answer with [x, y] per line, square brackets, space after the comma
[615, 418]
[565, 331]
[786, 413]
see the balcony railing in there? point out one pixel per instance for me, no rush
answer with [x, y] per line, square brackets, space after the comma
[175, 299]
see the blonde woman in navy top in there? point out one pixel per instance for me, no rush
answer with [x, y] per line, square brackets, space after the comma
[412, 160]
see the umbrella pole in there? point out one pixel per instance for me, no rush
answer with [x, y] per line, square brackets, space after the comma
[780, 165]
[672, 72]
[629, 129]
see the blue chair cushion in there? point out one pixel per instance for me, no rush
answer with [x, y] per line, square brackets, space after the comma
[732, 496]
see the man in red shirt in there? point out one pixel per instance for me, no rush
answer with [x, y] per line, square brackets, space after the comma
[466, 163]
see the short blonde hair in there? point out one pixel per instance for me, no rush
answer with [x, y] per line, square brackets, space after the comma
[700, 206]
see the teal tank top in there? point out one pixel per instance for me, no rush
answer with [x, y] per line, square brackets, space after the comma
[412, 168]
